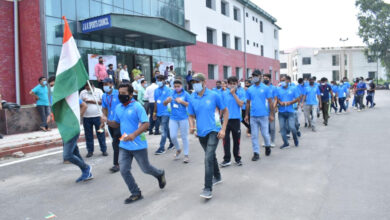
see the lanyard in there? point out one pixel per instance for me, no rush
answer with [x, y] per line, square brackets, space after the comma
[109, 102]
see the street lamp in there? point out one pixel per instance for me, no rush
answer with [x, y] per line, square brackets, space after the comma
[342, 62]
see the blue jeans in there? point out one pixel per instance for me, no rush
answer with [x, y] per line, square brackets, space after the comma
[342, 104]
[287, 122]
[153, 123]
[261, 123]
[164, 121]
[125, 160]
[173, 130]
[272, 131]
[89, 123]
[71, 153]
[209, 144]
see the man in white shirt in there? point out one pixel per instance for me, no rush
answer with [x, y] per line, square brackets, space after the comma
[136, 83]
[124, 75]
[149, 95]
[91, 118]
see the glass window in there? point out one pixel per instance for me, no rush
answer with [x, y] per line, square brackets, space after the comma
[146, 7]
[118, 10]
[283, 65]
[53, 56]
[262, 50]
[225, 72]
[96, 42]
[69, 9]
[107, 9]
[211, 71]
[118, 3]
[261, 26]
[109, 2]
[53, 26]
[209, 4]
[129, 4]
[53, 8]
[306, 61]
[155, 10]
[95, 8]
[81, 12]
[138, 6]
[335, 60]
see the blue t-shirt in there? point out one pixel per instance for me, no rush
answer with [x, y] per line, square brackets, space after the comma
[342, 91]
[335, 89]
[110, 101]
[325, 92]
[179, 111]
[129, 117]
[287, 95]
[160, 95]
[361, 85]
[311, 93]
[203, 108]
[43, 94]
[243, 92]
[231, 104]
[258, 96]
[80, 101]
[347, 84]
[218, 91]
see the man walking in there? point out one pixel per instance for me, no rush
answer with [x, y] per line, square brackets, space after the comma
[272, 130]
[342, 95]
[41, 95]
[202, 108]
[131, 117]
[233, 100]
[109, 102]
[360, 91]
[149, 95]
[326, 95]
[92, 119]
[311, 100]
[257, 96]
[100, 72]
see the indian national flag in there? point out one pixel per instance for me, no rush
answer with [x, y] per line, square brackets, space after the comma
[70, 77]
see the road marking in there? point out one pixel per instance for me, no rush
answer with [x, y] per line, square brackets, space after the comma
[34, 157]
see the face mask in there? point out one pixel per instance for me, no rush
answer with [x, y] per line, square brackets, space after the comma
[138, 67]
[198, 87]
[160, 84]
[145, 85]
[123, 98]
[218, 87]
[52, 89]
[255, 79]
[311, 83]
[266, 81]
[323, 84]
[232, 87]
[100, 62]
[107, 88]
[44, 83]
[283, 84]
[179, 89]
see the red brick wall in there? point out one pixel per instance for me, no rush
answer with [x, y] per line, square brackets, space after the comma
[7, 77]
[202, 54]
[30, 53]
[31, 67]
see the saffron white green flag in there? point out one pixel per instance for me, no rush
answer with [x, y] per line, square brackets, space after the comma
[70, 77]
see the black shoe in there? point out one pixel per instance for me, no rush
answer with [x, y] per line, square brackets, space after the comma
[239, 163]
[225, 163]
[298, 133]
[114, 169]
[105, 154]
[267, 151]
[256, 157]
[318, 115]
[133, 198]
[157, 133]
[305, 125]
[161, 180]
[89, 154]
[170, 146]
[150, 132]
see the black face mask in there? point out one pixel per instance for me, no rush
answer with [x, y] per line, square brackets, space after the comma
[311, 83]
[266, 81]
[123, 98]
[100, 62]
[218, 87]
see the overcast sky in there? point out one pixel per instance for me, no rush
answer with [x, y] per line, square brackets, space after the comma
[314, 23]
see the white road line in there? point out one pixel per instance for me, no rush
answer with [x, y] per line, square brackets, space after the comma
[34, 157]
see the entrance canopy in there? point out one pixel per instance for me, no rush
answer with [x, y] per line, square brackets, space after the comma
[154, 32]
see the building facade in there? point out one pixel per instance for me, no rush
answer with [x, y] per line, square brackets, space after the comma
[333, 63]
[234, 37]
[139, 32]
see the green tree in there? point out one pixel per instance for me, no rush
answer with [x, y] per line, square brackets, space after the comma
[374, 29]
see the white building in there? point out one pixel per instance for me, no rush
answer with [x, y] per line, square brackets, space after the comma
[333, 63]
[234, 37]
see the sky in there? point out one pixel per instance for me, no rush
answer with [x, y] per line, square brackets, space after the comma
[314, 23]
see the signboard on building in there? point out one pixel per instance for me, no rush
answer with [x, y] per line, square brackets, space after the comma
[93, 59]
[95, 24]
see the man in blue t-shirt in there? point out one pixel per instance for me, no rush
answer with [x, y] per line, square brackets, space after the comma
[203, 107]
[109, 102]
[360, 91]
[41, 95]
[326, 95]
[218, 87]
[234, 100]
[257, 96]
[130, 116]
[161, 113]
[335, 89]
[342, 94]
[272, 130]
[311, 101]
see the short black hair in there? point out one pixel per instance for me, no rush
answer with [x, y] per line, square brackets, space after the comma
[129, 87]
[314, 77]
[154, 80]
[51, 79]
[323, 79]
[300, 80]
[100, 58]
[177, 81]
[40, 78]
[256, 72]
[288, 78]
[161, 77]
[219, 81]
[110, 65]
[232, 79]
[142, 81]
[267, 75]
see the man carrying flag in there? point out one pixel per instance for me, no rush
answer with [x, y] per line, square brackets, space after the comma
[70, 77]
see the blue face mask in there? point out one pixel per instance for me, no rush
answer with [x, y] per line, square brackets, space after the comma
[198, 87]
[255, 80]
[107, 88]
[160, 84]
[283, 84]
[44, 83]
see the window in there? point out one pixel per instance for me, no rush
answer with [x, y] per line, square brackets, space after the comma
[371, 59]
[254, 44]
[262, 50]
[335, 75]
[306, 61]
[211, 36]
[225, 8]
[345, 60]
[225, 40]
[248, 73]
[257, 45]
[226, 72]
[256, 20]
[283, 65]
[345, 73]
[306, 75]
[239, 72]
[247, 42]
[212, 71]
[335, 60]
[253, 18]
[372, 75]
[210, 4]
[247, 15]
[237, 14]
[237, 43]
[276, 34]
[261, 26]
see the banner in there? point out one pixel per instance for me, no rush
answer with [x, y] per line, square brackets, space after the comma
[163, 65]
[93, 59]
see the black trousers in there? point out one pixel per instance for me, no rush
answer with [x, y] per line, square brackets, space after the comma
[247, 125]
[44, 112]
[115, 134]
[233, 126]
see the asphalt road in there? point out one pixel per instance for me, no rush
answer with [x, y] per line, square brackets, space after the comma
[340, 172]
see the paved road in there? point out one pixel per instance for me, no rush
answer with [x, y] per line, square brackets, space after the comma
[340, 172]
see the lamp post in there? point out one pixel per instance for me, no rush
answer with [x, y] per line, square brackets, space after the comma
[342, 54]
